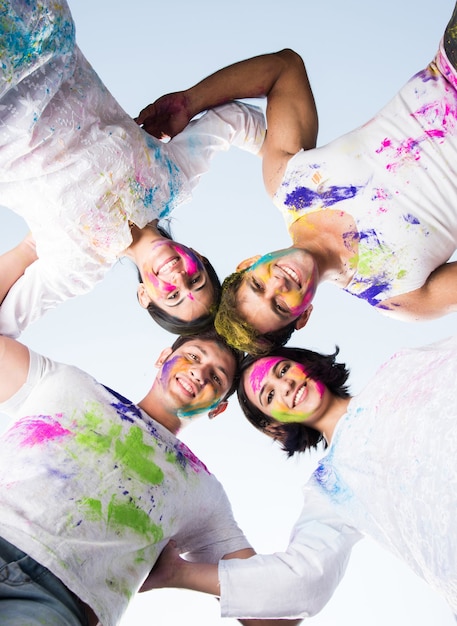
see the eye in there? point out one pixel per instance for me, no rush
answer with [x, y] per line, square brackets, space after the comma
[283, 370]
[173, 295]
[193, 357]
[256, 284]
[195, 279]
[281, 308]
[217, 380]
[270, 396]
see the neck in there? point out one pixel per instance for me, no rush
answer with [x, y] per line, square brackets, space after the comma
[331, 237]
[332, 416]
[141, 238]
[153, 405]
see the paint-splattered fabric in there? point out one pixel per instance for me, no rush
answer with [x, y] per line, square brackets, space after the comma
[76, 167]
[92, 488]
[396, 177]
[390, 473]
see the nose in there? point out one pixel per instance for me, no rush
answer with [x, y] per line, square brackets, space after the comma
[286, 385]
[199, 374]
[276, 284]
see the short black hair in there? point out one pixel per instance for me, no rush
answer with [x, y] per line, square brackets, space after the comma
[296, 436]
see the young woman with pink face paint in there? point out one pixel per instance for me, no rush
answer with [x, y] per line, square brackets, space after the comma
[296, 396]
[178, 286]
[389, 473]
[99, 183]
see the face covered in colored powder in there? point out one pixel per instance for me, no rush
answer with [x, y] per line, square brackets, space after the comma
[195, 377]
[282, 390]
[277, 289]
[175, 279]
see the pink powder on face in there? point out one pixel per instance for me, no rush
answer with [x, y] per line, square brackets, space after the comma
[191, 262]
[260, 370]
[159, 287]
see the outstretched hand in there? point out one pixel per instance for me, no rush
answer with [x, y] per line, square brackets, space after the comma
[165, 571]
[167, 116]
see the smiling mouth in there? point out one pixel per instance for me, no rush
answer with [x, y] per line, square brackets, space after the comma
[167, 265]
[290, 273]
[188, 388]
[301, 393]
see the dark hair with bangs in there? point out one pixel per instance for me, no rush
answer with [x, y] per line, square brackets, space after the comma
[296, 436]
[237, 331]
[174, 324]
[210, 334]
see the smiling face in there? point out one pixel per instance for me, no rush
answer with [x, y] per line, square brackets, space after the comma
[282, 390]
[175, 279]
[195, 377]
[277, 289]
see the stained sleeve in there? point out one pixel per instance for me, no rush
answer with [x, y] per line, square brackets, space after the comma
[295, 583]
[234, 124]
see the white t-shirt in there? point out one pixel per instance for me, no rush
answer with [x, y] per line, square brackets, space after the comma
[92, 488]
[395, 176]
[77, 168]
[390, 473]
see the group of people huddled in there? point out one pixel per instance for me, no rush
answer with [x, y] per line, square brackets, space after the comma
[99, 498]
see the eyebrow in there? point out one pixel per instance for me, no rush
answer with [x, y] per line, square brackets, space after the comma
[220, 368]
[173, 303]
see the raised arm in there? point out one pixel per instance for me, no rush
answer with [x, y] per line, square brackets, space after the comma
[280, 77]
[437, 297]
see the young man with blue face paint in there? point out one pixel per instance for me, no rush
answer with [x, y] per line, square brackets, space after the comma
[374, 212]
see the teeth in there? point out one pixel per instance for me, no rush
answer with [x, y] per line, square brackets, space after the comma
[299, 394]
[186, 386]
[292, 274]
[168, 266]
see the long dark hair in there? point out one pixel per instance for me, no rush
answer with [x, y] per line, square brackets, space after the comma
[295, 436]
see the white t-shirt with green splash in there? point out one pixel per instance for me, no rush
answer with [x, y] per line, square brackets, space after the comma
[93, 488]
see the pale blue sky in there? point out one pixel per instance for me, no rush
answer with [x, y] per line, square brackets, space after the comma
[357, 54]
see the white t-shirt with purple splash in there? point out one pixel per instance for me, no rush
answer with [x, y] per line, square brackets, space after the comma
[395, 176]
[92, 488]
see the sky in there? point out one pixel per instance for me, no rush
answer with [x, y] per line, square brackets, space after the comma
[357, 56]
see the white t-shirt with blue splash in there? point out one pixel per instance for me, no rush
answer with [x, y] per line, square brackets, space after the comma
[77, 167]
[390, 473]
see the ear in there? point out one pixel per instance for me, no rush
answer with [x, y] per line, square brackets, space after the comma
[219, 409]
[163, 357]
[247, 263]
[302, 320]
[143, 296]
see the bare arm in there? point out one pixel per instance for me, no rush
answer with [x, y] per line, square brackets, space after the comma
[173, 571]
[291, 112]
[14, 263]
[437, 297]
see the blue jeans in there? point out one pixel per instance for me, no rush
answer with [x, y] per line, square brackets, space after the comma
[30, 595]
